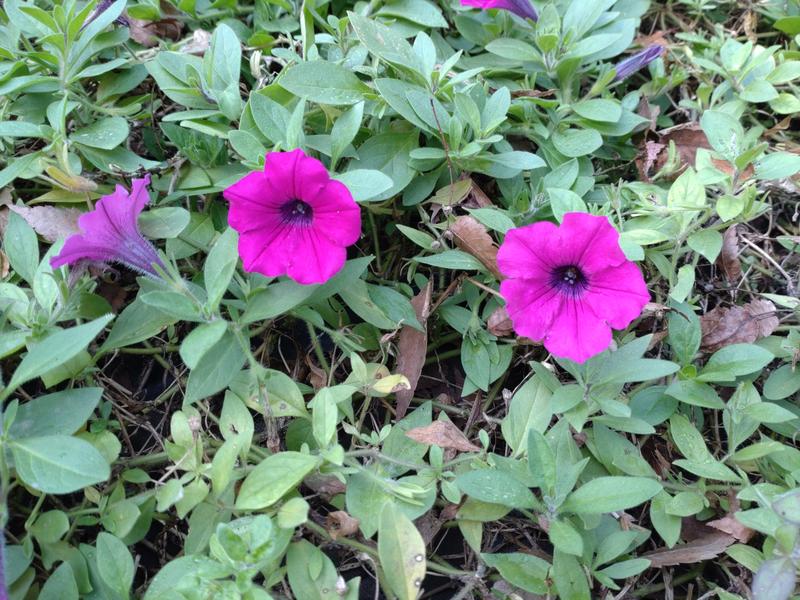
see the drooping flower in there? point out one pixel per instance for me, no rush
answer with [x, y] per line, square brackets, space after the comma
[293, 219]
[568, 286]
[640, 60]
[101, 7]
[521, 8]
[110, 233]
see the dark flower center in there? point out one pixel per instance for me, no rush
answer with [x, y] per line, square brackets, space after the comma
[569, 280]
[297, 212]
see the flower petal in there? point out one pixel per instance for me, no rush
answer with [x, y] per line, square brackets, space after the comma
[297, 176]
[336, 214]
[532, 305]
[530, 251]
[618, 294]
[316, 259]
[577, 333]
[590, 242]
[271, 252]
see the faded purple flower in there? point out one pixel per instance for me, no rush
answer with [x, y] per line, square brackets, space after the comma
[521, 8]
[110, 233]
[629, 66]
[98, 10]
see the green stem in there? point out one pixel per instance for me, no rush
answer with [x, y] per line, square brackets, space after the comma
[323, 362]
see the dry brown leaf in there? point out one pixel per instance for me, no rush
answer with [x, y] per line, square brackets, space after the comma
[499, 323]
[657, 37]
[443, 434]
[472, 237]
[340, 524]
[728, 258]
[737, 324]
[50, 222]
[412, 348]
[479, 197]
[317, 377]
[201, 40]
[704, 548]
[5, 266]
[728, 524]
[149, 33]
[327, 486]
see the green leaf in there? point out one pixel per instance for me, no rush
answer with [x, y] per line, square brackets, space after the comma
[365, 184]
[683, 332]
[164, 222]
[496, 487]
[274, 476]
[777, 165]
[136, 323]
[599, 109]
[707, 243]
[735, 360]
[525, 571]
[216, 369]
[114, 564]
[219, 267]
[401, 550]
[420, 12]
[201, 339]
[55, 350]
[278, 298]
[58, 464]
[574, 143]
[21, 246]
[610, 494]
[564, 537]
[452, 259]
[323, 82]
[59, 413]
[568, 577]
[724, 133]
[104, 133]
[384, 42]
[513, 49]
[60, 585]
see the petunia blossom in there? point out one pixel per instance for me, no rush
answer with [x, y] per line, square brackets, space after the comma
[568, 286]
[521, 8]
[293, 219]
[640, 60]
[110, 233]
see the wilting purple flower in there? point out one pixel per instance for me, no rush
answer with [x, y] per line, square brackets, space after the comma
[110, 233]
[521, 8]
[98, 10]
[629, 66]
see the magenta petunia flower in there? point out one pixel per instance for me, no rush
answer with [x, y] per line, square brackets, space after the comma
[521, 8]
[293, 219]
[640, 60]
[568, 286]
[110, 233]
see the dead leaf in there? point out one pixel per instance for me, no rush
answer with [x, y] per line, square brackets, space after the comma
[340, 524]
[452, 194]
[5, 266]
[656, 38]
[737, 324]
[728, 524]
[729, 256]
[443, 434]
[707, 547]
[201, 40]
[327, 486]
[50, 222]
[472, 237]
[499, 323]
[479, 197]
[412, 348]
[150, 33]
[750, 25]
[318, 378]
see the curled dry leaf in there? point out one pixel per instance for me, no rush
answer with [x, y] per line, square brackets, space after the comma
[688, 139]
[728, 258]
[737, 324]
[201, 40]
[340, 524]
[412, 348]
[499, 323]
[728, 524]
[472, 237]
[149, 33]
[5, 266]
[317, 376]
[704, 548]
[443, 434]
[50, 222]
[478, 196]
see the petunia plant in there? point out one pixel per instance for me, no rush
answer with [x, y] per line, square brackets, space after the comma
[400, 299]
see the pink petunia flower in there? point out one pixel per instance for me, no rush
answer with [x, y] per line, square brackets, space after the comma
[293, 219]
[521, 8]
[110, 233]
[568, 286]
